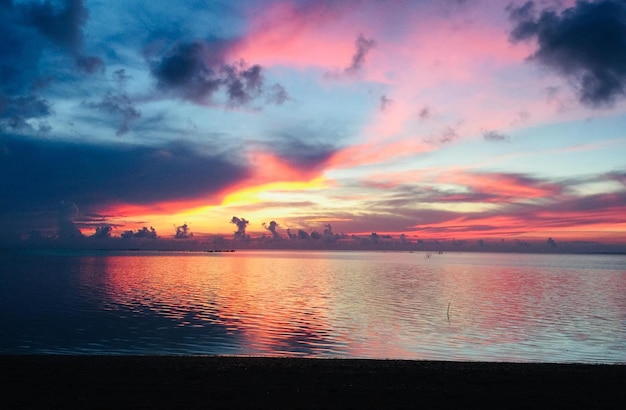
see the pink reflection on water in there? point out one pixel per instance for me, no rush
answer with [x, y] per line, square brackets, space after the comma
[281, 307]
[278, 309]
[501, 307]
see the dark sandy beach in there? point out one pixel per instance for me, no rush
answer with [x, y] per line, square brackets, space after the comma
[251, 382]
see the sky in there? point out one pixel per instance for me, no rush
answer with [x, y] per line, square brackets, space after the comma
[451, 120]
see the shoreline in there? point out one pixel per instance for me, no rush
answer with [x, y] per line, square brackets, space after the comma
[58, 381]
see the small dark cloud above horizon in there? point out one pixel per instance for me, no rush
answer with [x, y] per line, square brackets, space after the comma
[495, 136]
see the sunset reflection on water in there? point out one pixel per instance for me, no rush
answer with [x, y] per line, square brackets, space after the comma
[332, 304]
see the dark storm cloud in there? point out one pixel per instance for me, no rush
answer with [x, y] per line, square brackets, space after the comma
[197, 70]
[586, 43]
[38, 173]
[363, 47]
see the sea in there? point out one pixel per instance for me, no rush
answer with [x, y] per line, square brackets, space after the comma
[495, 307]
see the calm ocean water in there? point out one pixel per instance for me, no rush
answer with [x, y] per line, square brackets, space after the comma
[451, 306]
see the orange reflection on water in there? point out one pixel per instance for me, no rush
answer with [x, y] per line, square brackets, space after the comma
[275, 307]
[367, 304]
[278, 305]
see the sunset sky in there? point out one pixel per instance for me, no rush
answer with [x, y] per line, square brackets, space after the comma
[452, 119]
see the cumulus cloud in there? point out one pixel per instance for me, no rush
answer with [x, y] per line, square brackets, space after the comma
[102, 232]
[143, 233]
[272, 227]
[197, 70]
[328, 234]
[183, 232]
[241, 224]
[586, 43]
[67, 228]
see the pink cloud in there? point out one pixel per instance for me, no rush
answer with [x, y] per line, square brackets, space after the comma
[374, 153]
[284, 34]
[503, 186]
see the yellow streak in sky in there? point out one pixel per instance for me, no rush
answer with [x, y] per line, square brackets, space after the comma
[255, 194]
[215, 218]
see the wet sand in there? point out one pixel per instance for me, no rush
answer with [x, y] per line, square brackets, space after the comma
[102, 382]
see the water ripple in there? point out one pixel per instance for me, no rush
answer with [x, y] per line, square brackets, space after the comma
[346, 304]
